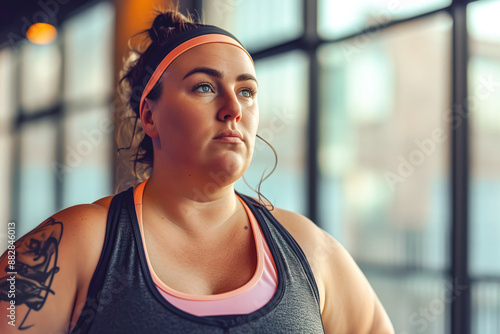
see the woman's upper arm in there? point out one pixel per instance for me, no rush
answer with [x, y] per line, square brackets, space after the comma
[349, 304]
[39, 286]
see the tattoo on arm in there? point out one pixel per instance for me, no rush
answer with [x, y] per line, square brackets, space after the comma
[36, 265]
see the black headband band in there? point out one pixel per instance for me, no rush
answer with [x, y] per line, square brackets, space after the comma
[181, 37]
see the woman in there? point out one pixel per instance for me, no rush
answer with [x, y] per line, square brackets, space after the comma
[182, 252]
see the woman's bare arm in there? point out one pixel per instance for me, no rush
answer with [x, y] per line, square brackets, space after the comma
[39, 287]
[348, 302]
[351, 305]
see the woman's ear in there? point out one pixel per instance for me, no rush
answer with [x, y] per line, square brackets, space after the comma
[148, 119]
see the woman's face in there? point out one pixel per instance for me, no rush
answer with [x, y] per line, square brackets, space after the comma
[207, 90]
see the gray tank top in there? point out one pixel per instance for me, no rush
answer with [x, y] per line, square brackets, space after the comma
[122, 297]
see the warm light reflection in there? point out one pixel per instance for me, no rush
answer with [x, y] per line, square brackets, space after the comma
[41, 33]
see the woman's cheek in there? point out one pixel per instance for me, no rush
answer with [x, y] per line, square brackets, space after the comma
[254, 123]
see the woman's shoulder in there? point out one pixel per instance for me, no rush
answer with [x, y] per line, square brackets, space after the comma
[85, 224]
[85, 216]
[342, 286]
[304, 231]
[98, 207]
[310, 237]
[320, 247]
[76, 236]
[84, 229]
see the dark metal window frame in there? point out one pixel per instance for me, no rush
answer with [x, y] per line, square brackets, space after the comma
[55, 114]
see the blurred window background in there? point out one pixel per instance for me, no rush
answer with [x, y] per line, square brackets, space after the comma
[484, 90]
[384, 184]
[56, 122]
[383, 114]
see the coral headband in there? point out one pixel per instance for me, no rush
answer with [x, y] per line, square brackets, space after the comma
[220, 36]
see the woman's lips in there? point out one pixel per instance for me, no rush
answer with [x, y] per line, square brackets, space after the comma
[230, 139]
[230, 136]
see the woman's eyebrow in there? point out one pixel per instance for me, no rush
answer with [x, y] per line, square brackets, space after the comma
[218, 74]
[207, 70]
[245, 77]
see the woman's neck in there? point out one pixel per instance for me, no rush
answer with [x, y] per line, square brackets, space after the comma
[195, 208]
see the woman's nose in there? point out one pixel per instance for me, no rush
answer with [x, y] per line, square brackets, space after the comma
[230, 109]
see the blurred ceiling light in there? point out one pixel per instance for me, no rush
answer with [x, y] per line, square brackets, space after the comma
[41, 33]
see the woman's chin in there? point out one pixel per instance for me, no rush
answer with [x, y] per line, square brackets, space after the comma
[228, 169]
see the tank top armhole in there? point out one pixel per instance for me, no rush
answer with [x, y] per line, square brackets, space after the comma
[253, 204]
[298, 251]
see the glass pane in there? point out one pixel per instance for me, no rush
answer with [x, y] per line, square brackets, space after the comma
[416, 303]
[483, 21]
[278, 20]
[340, 18]
[40, 75]
[483, 101]
[282, 99]
[485, 308]
[86, 170]
[7, 84]
[384, 145]
[88, 47]
[37, 183]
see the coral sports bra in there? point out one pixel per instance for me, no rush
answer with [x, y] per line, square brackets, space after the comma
[248, 298]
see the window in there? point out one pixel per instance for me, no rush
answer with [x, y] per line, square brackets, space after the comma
[40, 76]
[37, 192]
[340, 18]
[279, 20]
[384, 163]
[62, 107]
[484, 98]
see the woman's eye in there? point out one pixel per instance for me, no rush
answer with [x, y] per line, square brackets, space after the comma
[203, 88]
[247, 93]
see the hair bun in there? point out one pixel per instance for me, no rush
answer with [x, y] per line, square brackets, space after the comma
[163, 23]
